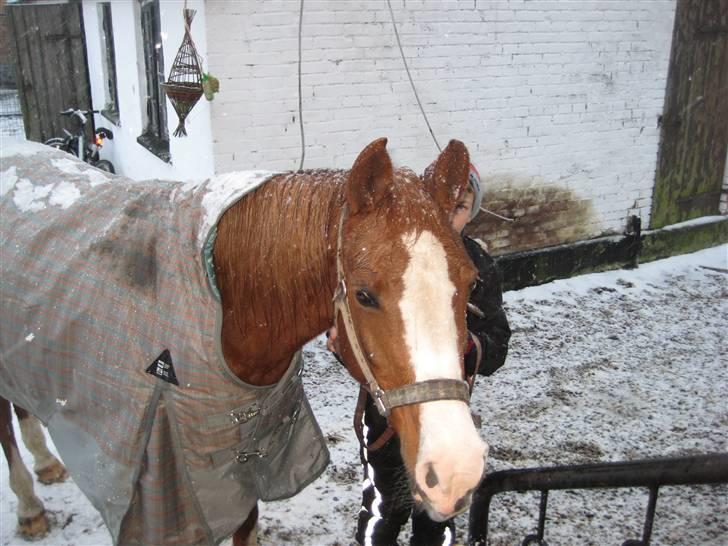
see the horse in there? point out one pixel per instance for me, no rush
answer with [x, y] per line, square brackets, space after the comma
[32, 520]
[378, 242]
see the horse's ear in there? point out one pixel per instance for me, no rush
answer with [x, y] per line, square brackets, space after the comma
[369, 177]
[447, 177]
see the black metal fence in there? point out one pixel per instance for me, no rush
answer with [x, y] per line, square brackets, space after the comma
[650, 473]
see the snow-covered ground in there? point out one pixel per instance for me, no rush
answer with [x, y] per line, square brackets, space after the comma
[612, 366]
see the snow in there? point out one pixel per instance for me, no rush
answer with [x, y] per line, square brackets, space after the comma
[94, 176]
[20, 146]
[694, 222]
[29, 197]
[8, 179]
[64, 195]
[621, 365]
[33, 198]
[222, 191]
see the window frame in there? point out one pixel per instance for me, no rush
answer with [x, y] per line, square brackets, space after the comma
[155, 135]
[111, 91]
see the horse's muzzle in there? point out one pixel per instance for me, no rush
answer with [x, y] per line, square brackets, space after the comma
[446, 500]
[460, 506]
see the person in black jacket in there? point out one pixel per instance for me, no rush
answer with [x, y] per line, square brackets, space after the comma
[386, 500]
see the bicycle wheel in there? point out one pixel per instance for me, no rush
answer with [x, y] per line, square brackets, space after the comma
[104, 165]
[57, 143]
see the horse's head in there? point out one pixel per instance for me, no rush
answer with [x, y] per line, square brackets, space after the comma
[407, 280]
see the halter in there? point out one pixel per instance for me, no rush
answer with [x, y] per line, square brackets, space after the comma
[413, 393]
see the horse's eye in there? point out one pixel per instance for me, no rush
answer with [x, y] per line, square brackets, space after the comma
[366, 299]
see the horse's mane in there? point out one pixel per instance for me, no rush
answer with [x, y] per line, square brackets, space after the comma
[275, 254]
[277, 240]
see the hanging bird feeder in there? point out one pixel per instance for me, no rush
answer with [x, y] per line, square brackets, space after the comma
[184, 85]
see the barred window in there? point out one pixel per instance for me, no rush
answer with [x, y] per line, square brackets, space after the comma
[111, 95]
[155, 136]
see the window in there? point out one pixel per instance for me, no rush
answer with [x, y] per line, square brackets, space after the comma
[155, 136]
[108, 60]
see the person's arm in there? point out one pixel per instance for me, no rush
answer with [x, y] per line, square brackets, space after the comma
[489, 324]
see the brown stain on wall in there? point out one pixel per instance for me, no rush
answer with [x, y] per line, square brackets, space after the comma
[544, 216]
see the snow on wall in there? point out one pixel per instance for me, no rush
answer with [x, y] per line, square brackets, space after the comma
[557, 101]
[191, 157]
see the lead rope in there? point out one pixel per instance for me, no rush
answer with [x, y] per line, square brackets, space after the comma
[383, 438]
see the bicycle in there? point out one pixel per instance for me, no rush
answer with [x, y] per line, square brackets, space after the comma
[77, 144]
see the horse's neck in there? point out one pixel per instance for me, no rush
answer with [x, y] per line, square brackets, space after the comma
[275, 261]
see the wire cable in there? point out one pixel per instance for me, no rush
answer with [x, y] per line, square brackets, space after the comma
[424, 115]
[412, 83]
[300, 98]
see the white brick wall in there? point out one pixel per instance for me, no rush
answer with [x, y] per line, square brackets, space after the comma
[544, 93]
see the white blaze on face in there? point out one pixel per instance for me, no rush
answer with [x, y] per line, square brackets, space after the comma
[426, 306]
[448, 439]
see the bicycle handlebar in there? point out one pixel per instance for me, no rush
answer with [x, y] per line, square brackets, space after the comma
[79, 113]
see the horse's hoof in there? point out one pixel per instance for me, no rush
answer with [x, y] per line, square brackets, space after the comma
[54, 473]
[33, 528]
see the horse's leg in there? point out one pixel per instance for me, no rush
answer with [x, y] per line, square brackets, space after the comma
[32, 522]
[247, 535]
[47, 467]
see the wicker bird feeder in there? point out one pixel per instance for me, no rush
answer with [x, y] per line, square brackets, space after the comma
[184, 85]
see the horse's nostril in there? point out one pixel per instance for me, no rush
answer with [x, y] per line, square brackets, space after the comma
[462, 503]
[431, 477]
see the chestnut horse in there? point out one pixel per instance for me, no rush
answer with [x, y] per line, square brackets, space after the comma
[379, 240]
[32, 522]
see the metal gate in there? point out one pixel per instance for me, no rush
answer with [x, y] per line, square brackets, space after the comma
[650, 473]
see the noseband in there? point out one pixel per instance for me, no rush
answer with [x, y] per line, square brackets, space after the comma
[413, 393]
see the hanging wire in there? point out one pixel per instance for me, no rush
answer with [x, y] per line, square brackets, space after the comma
[412, 83]
[300, 99]
[424, 115]
[498, 215]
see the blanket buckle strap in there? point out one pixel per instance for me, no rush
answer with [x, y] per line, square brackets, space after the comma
[243, 416]
[243, 456]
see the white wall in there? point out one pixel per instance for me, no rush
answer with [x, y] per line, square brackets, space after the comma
[191, 156]
[559, 94]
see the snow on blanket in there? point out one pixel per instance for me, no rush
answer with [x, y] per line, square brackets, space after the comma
[110, 335]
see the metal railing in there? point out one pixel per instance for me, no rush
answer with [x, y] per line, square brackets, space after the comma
[650, 473]
[11, 116]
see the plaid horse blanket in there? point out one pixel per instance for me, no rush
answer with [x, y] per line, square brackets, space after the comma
[110, 334]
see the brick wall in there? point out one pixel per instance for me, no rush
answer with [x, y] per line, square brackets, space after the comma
[557, 100]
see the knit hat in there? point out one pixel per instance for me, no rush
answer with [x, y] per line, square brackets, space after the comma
[474, 181]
